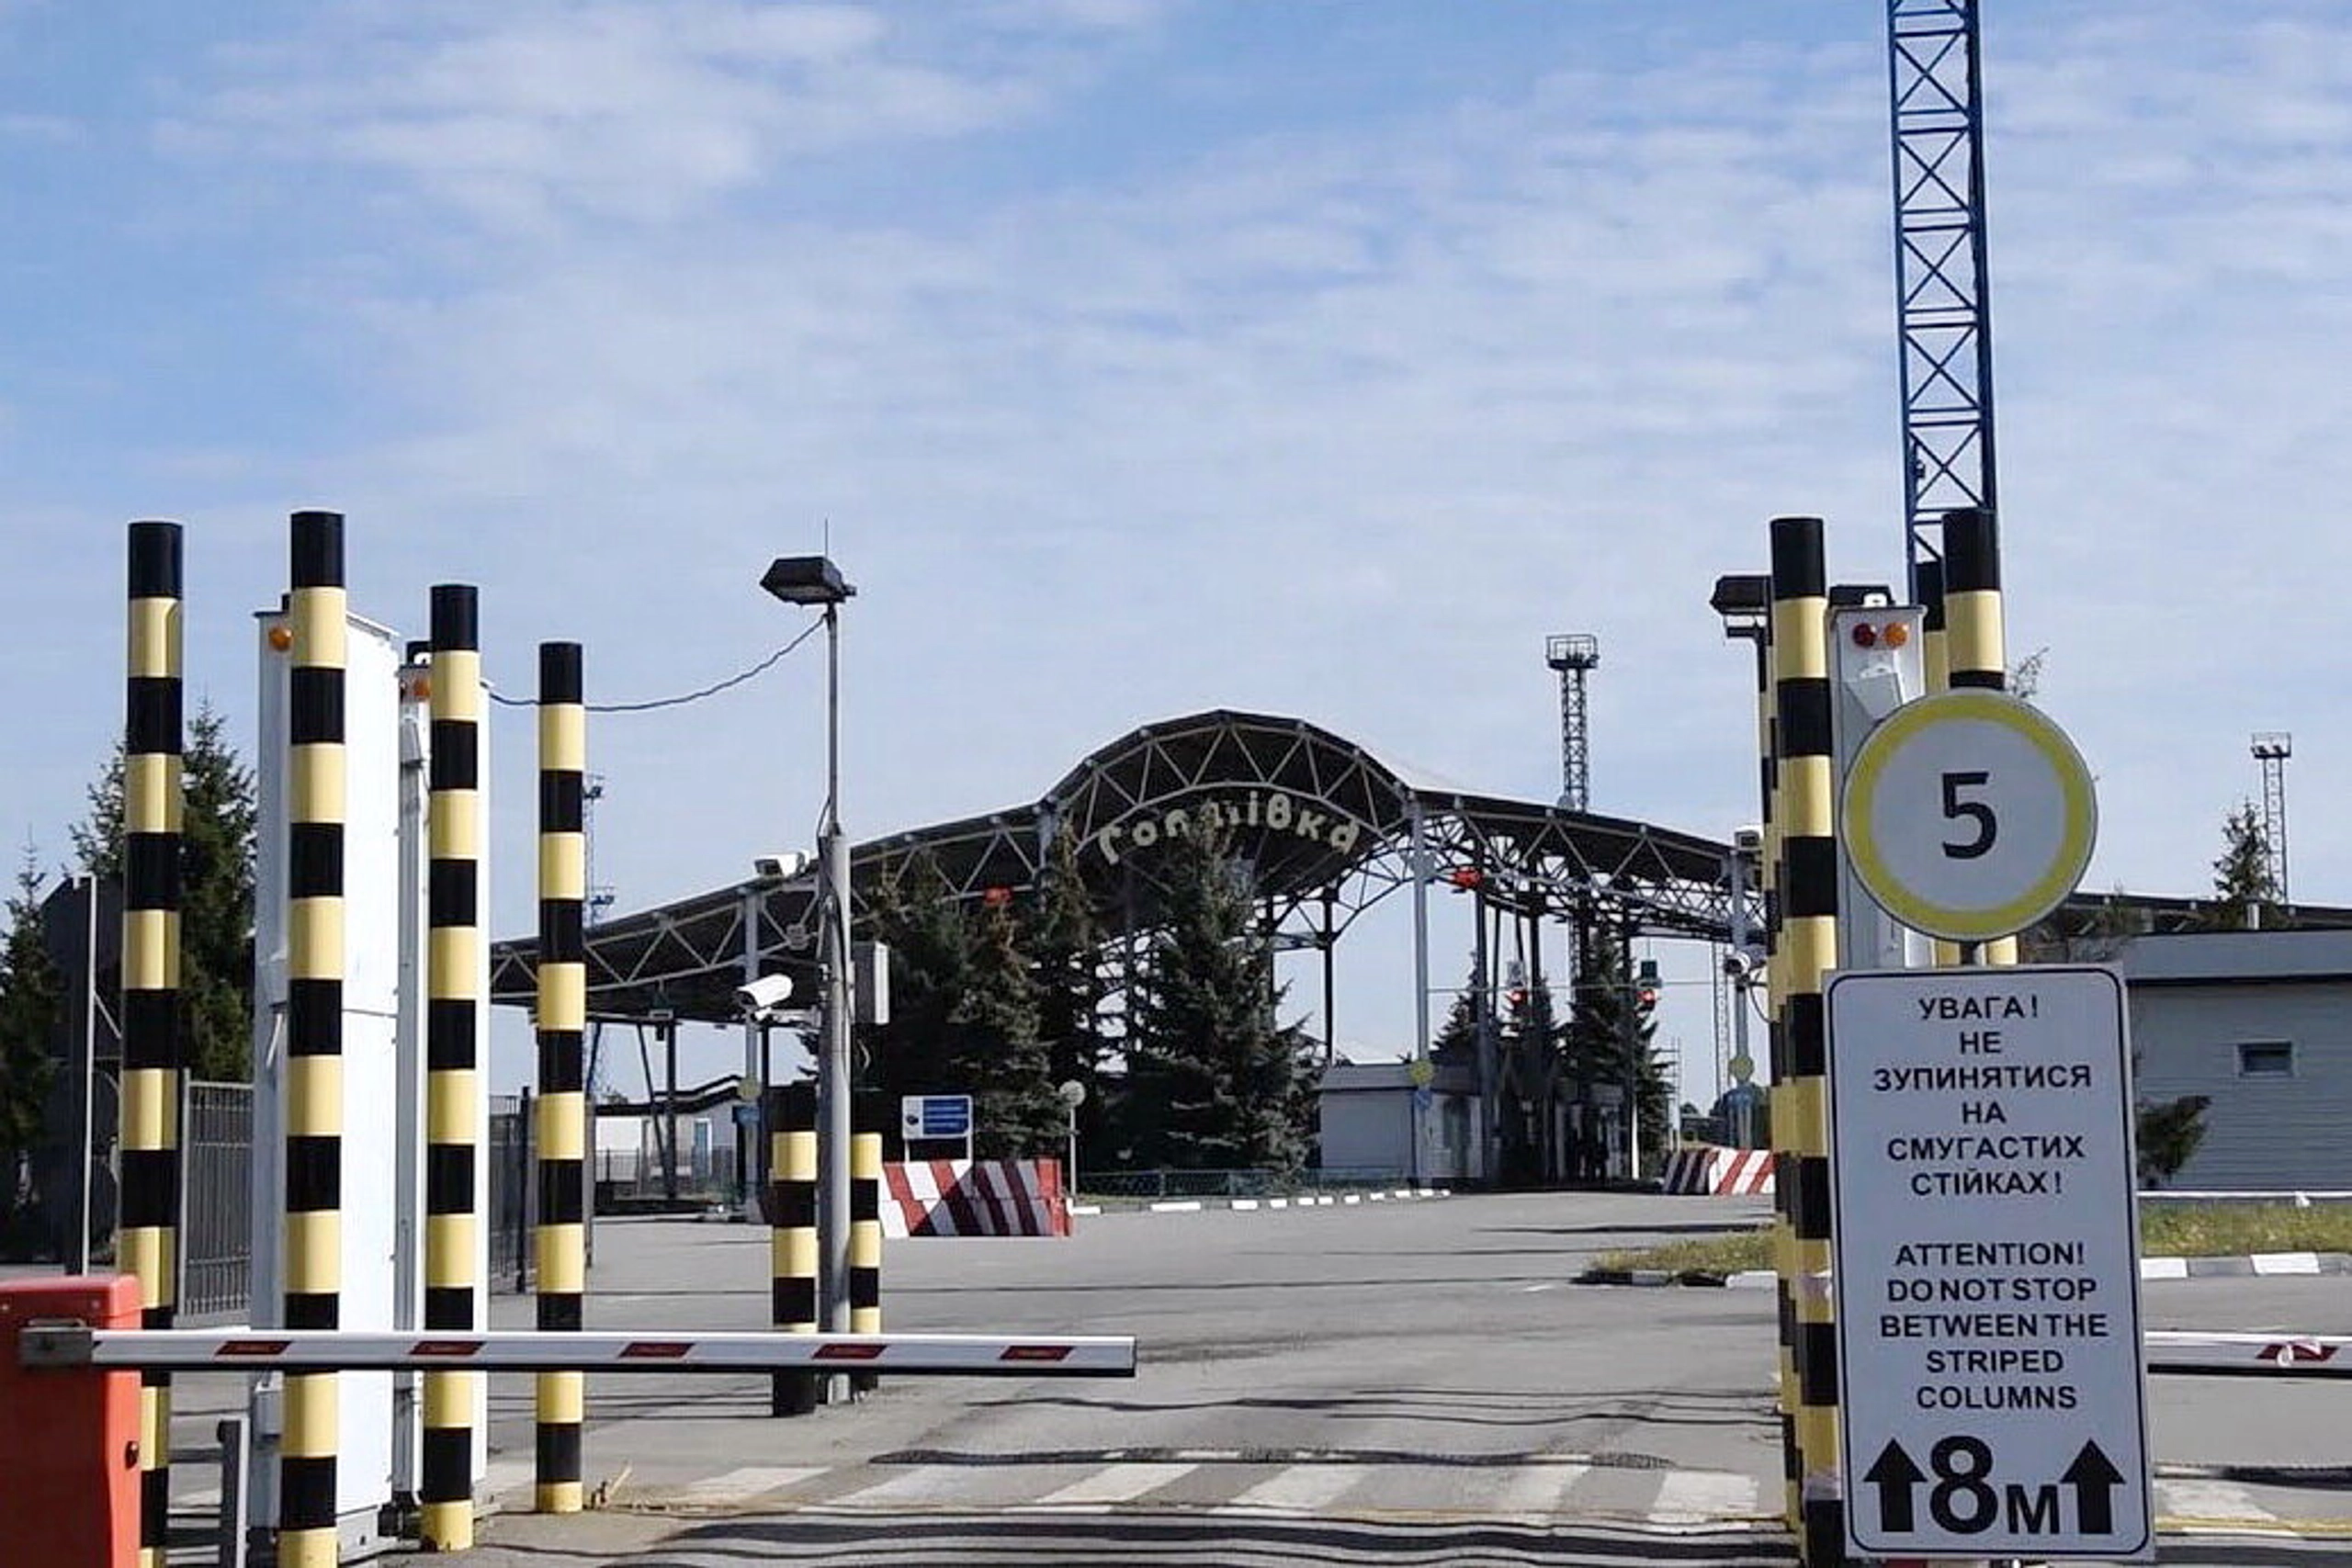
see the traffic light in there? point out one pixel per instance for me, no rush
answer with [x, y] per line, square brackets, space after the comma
[1645, 984]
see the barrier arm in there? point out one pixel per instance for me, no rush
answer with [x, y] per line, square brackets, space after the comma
[68, 1344]
[2249, 1354]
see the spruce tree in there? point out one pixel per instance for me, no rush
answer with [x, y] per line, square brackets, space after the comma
[997, 1057]
[1603, 1018]
[2244, 876]
[33, 1003]
[1457, 1038]
[217, 842]
[1213, 1080]
[931, 964]
[1064, 944]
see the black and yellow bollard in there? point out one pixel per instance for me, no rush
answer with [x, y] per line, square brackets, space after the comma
[1975, 651]
[147, 1237]
[1806, 926]
[317, 617]
[865, 1236]
[453, 1085]
[792, 1287]
[562, 1130]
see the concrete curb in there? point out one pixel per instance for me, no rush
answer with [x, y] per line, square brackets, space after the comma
[1255, 1205]
[2266, 1264]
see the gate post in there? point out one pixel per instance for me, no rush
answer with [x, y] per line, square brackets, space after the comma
[70, 1438]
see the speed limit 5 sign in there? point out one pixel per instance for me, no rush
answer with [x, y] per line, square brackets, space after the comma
[1968, 814]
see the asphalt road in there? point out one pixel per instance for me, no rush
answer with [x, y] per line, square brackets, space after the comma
[1400, 1383]
[1393, 1383]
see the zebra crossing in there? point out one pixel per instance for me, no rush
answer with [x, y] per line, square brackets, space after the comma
[1539, 1493]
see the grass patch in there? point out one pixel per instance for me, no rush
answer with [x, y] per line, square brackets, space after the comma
[2166, 1230]
[1725, 1254]
[2232, 1230]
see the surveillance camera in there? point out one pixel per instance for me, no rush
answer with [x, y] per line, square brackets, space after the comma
[766, 994]
[1742, 963]
[780, 866]
[1747, 840]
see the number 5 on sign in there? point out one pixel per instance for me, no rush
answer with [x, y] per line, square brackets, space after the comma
[1969, 816]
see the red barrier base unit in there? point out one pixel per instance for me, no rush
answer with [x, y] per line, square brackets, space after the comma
[70, 1442]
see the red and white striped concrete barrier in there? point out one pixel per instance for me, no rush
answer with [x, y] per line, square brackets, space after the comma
[1705, 1171]
[990, 1197]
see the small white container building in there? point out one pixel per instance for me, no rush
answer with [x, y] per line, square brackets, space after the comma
[2261, 1022]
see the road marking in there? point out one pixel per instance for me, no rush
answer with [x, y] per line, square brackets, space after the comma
[2205, 1506]
[1534, 1492]
[924, 1483]
[1114, 1484]
[738, 1485]
[1703, 1496]
[1302, 1488]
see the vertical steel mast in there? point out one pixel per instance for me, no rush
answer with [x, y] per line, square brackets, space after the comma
[1943, 303]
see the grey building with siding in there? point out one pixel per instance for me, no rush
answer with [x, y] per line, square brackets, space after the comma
[2261, 1022]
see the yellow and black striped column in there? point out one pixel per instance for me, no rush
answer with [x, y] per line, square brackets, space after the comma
[1807, 949]
[1784, 1258]
[792, 1289]
[1935, 667]
[147, 1237]
[452, 1084]
[866, 1234]
[1975, 642]
[562, 1130]
[318, 616]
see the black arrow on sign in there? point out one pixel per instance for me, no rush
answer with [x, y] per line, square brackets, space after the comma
[2094, 1478]
[1894, 1473]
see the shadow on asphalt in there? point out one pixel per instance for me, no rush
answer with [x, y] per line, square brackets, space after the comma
[1131, 1537]
[1468, 1407]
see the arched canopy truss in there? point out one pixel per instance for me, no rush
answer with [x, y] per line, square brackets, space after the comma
[1328, 829]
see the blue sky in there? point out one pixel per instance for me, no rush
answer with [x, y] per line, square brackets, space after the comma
[1148, 356]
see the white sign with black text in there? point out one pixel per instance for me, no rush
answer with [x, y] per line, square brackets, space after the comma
[1993, 1401]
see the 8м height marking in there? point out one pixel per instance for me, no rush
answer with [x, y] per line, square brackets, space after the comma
[1964, 1499]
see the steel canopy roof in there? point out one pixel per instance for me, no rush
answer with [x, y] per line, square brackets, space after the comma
[1323, 820]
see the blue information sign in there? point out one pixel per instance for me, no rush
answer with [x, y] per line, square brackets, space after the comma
[936, 1116]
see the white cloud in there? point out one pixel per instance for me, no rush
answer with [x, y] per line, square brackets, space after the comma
[527, 114]
[1338, 421]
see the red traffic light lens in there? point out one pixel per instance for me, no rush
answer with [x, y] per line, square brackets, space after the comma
[1865, 635]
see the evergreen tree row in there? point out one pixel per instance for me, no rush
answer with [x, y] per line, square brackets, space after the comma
[1009, 1002]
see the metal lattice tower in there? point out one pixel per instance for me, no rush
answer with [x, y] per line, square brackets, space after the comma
[2271, 749]
[1943, 305]
[1572, 654]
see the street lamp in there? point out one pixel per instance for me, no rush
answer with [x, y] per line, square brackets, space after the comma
[815, 580]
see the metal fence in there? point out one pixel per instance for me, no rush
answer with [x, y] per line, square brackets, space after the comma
[511, 1207]
[216, 1229]
[1157, 1184]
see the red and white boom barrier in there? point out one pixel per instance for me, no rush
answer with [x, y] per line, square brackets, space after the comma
[990, 1197]
[512, 1350]
[2250, 1355]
